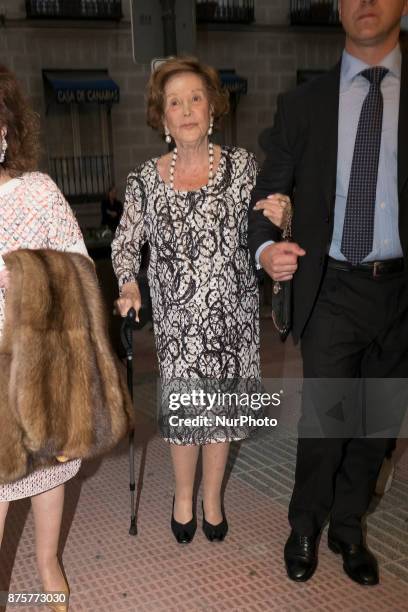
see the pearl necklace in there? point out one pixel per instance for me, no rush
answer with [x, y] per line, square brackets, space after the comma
[210, 165]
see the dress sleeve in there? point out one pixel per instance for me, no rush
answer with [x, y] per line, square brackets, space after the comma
[276, 176]
[253, 169]
[130, 234]
[64, 233]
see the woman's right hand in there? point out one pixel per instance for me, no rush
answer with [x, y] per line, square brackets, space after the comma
[276, 208]
[129, 298]
[4, 278]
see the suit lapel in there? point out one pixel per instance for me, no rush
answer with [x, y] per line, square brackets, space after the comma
[326, 119]
[403, 127]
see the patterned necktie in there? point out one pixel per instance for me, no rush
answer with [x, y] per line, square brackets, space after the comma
[358, 229]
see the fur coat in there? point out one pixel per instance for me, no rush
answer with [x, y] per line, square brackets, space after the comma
[61, 386]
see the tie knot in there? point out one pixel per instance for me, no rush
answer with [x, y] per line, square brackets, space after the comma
[375, 75]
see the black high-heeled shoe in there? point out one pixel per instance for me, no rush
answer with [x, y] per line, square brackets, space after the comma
[183, 532]
[215, 533]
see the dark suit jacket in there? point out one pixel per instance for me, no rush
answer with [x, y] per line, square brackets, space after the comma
[301, 162]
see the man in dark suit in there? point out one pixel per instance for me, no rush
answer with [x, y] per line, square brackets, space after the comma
[339, 148]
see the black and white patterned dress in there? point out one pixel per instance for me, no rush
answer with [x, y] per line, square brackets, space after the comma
[203, 288]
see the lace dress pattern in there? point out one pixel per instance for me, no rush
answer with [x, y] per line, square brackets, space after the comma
[203, 287]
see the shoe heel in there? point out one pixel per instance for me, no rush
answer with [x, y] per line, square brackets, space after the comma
[60, 607]
[334, 547]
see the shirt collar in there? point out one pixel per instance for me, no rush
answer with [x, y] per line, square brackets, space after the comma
[351, 66]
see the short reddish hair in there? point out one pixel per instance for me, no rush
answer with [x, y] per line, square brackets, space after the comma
[22, 125]
[217, 95]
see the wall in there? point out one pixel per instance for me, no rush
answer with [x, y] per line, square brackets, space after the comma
[272, 11]
[267, 11]
[28, 49]
[268, 54]
[269, 60]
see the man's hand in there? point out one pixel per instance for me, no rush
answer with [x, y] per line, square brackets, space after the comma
[279, 260]
[129, 298]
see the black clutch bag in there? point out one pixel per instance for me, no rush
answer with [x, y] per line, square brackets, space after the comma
[282, 292]
[282, 307]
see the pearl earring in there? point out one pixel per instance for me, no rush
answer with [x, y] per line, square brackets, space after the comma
[210, 129]
[3, 146]
[168, 137]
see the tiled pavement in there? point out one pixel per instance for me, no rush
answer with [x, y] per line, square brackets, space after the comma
[110, 571]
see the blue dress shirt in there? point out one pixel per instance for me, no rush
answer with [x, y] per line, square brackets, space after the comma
[353, 90]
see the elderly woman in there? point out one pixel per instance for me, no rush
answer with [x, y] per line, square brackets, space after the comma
[34, 215]
[191, 205]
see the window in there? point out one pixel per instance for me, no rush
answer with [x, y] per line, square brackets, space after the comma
[79, 142]
[74, 9]
[231, 11]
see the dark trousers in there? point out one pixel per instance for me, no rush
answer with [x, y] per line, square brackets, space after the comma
[358, 329]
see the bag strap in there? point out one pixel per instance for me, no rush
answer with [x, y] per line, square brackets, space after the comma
[276, 285]
[287, 225]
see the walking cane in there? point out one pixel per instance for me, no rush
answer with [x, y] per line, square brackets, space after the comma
[126, 334]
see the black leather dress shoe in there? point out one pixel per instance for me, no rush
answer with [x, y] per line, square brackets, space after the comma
[358, 562]
[300, 556]
[183, 532]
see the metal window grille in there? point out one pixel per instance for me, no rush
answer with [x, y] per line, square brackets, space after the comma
[74, 9]
[314, 12]
[230, 11]
[82, 179]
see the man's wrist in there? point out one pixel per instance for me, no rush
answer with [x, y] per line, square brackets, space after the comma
[259, 251]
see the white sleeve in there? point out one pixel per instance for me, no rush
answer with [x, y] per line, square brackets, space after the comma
[78, 247]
